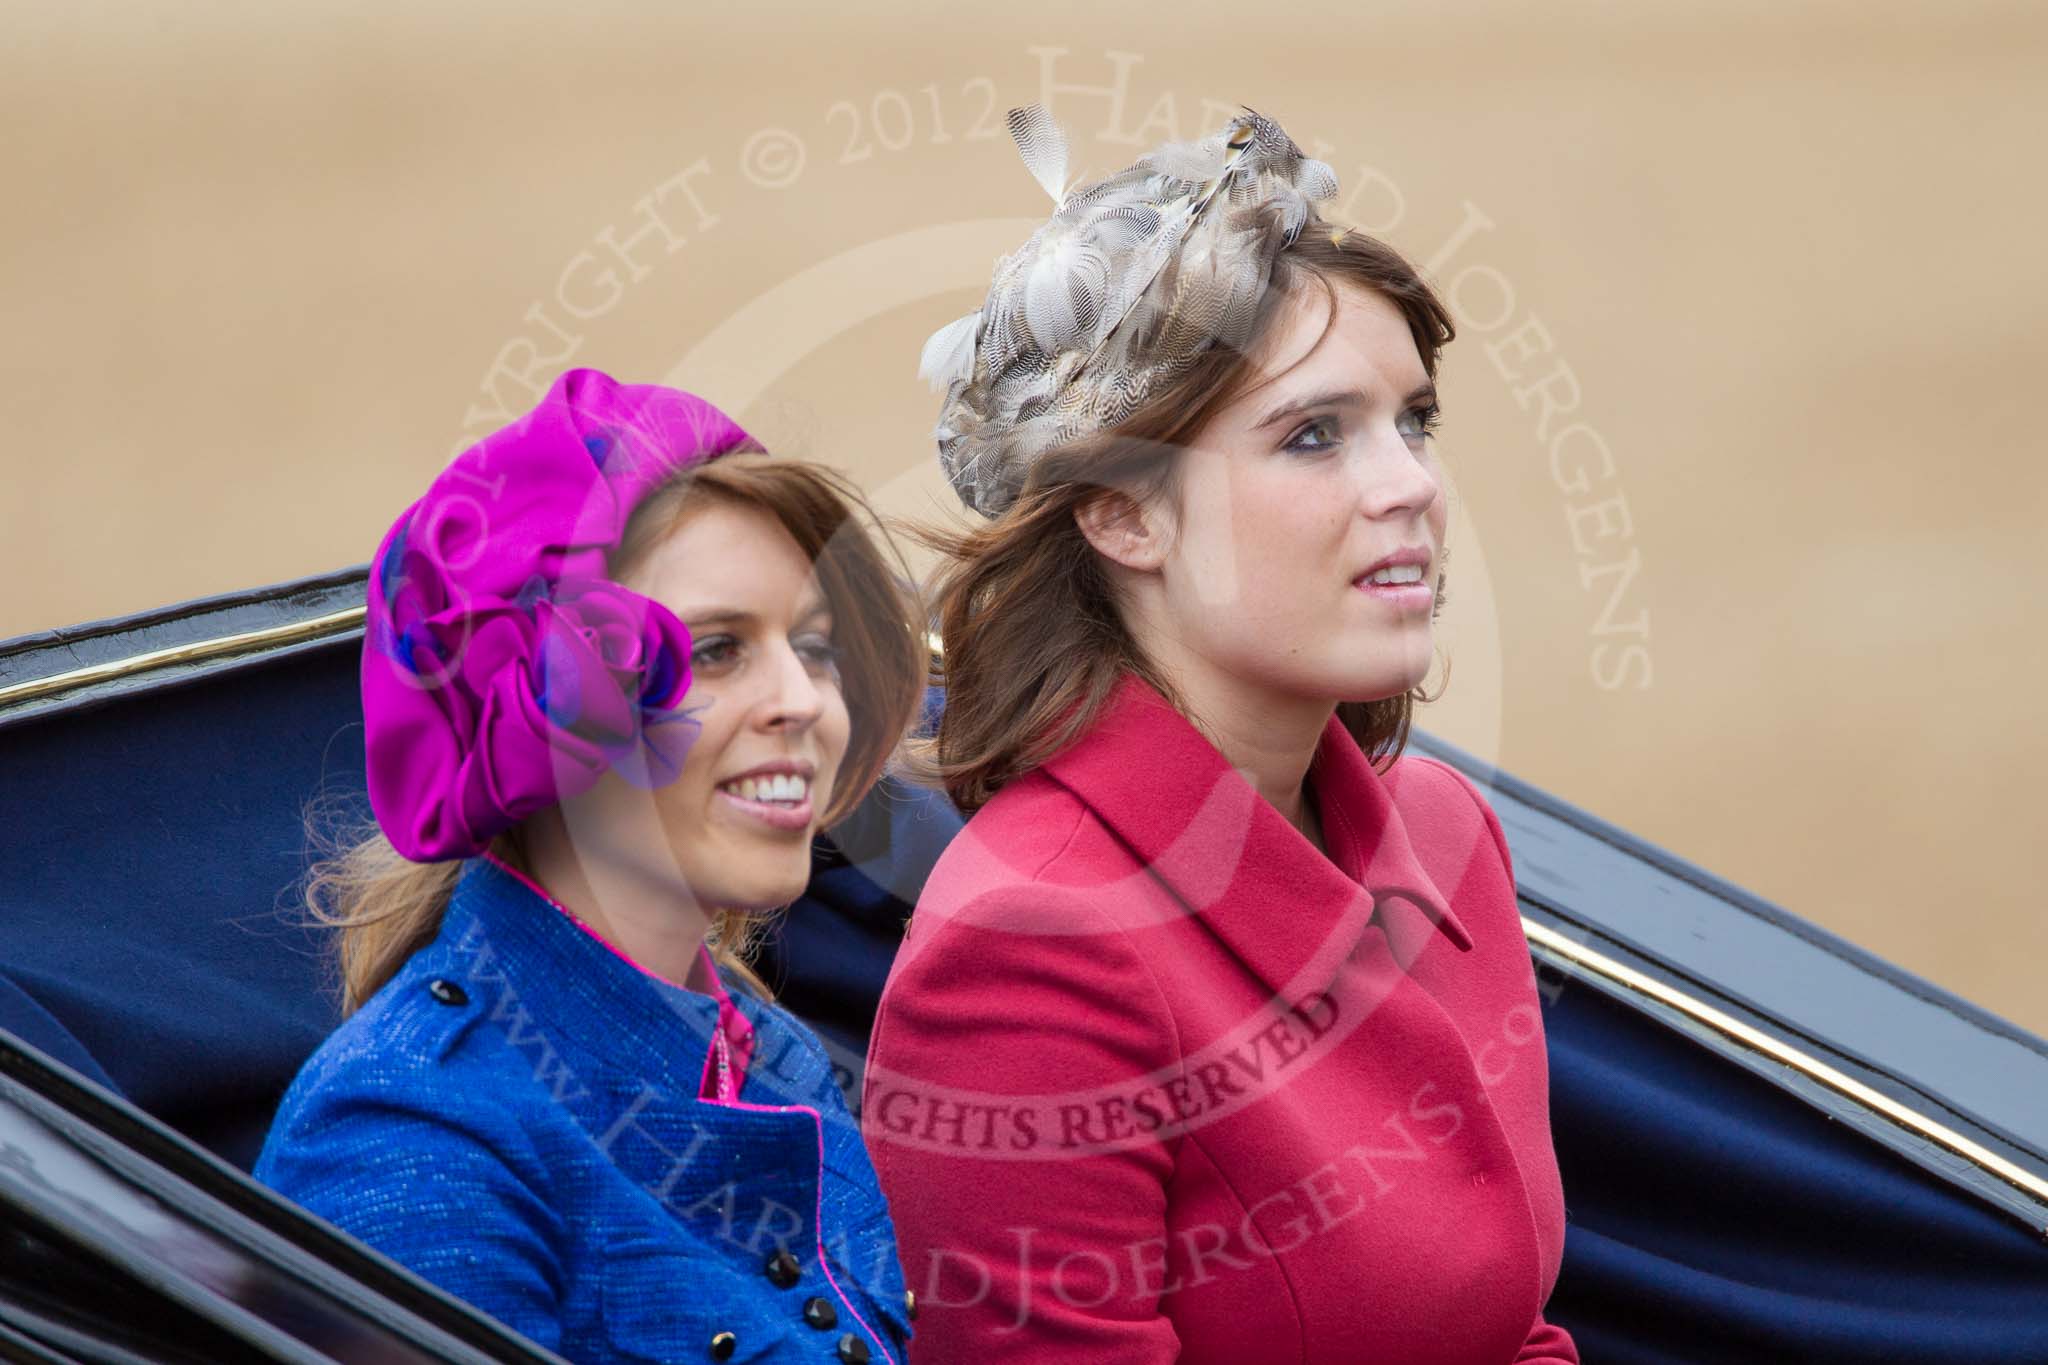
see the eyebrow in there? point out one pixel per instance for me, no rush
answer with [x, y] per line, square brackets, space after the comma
[1337, 398]
[727, 616]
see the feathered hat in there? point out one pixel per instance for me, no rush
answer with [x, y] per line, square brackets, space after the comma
[1132, 278]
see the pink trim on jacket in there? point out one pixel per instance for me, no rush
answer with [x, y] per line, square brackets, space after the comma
[739, 1034]
[818, 1215]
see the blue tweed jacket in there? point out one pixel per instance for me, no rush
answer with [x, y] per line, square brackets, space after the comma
[516, 1117]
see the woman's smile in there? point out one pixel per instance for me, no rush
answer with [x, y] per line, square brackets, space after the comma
[777, 795]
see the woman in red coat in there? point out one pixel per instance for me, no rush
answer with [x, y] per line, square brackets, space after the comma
[1214, 1036]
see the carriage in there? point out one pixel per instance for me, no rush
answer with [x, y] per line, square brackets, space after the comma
[1775, 1146]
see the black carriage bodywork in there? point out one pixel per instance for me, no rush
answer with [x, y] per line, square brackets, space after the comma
[1775, 1146]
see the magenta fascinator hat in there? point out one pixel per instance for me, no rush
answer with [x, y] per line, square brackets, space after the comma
[503, 670]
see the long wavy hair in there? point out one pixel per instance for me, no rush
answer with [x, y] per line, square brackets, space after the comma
[1034, 642]
[383, 908]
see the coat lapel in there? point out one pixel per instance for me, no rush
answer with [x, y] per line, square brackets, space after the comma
[1290, 914]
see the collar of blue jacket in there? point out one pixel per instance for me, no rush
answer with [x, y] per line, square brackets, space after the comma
[517, 1117]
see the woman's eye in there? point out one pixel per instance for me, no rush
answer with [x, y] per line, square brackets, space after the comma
[818, 651]
[1324, 433]
[713, 651]
[1418, 423]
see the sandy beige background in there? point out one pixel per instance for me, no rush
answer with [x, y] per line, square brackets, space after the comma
[1750, 489]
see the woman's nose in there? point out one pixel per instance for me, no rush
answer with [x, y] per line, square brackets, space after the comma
[1397, 479]
[794, 697]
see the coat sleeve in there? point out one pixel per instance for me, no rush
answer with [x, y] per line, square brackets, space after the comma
[453, 1197]
[1000, 1026]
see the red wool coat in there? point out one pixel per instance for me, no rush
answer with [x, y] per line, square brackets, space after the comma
[1154, 1080]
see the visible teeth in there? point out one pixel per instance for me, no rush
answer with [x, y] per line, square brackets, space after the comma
[783, 787]
[1400, 573]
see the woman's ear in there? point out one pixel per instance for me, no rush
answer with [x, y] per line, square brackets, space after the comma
[1123, 530]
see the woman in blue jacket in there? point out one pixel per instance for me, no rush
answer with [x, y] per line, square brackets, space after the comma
[618, 668]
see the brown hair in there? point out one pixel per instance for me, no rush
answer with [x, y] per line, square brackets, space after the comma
[384, 908]
[1033, 639]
